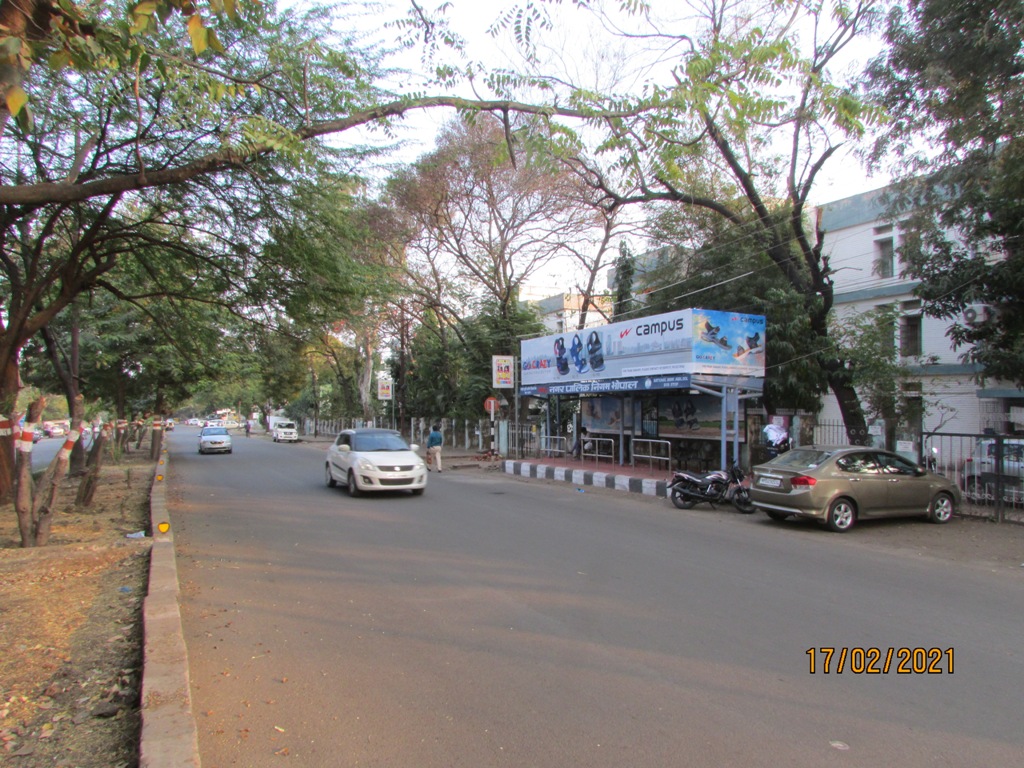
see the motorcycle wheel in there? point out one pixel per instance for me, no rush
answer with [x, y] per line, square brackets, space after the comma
[741, 500]
[682, 502]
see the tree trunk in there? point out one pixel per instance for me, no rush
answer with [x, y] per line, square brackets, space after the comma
[94, 465]
[49, 483]
[10, 385]
[23, 490]
[157, 441]
[849, 407]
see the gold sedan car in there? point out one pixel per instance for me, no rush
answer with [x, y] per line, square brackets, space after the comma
[839, 485]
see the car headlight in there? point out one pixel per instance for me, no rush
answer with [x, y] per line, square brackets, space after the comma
[366, 465]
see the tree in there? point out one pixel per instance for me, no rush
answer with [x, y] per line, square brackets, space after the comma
[135, 127]
[885, 381]
[718, 265]
[952, 78]
[625, 274]
[451, 375]
[487, 219]
[738, 111]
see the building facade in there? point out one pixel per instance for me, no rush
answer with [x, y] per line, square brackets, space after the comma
[862, 246]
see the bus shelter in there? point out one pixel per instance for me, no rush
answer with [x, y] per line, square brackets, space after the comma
[676, 377]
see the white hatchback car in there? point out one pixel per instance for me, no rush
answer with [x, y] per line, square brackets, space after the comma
[375, 460]
[285, 432]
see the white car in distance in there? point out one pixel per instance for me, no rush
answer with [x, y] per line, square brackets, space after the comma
[285, 432]
[215, 440]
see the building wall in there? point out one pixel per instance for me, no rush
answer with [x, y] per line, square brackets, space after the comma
[561, 312]
[857, 244]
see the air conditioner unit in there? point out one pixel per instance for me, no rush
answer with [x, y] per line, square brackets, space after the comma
[1017, 416]
[976, 314]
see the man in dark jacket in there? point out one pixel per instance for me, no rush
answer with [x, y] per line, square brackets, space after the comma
[434, 442]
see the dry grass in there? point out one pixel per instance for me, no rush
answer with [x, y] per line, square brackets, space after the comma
[71, 628]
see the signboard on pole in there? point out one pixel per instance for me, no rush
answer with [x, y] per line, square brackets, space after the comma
[502, 372]
[385, 388]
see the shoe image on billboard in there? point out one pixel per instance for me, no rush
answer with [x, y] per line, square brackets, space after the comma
[576, 353]
[560, 362]
[594, 352]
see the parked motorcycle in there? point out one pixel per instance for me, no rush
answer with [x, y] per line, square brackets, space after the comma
[688, 489]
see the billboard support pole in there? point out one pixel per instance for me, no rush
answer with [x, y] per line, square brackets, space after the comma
[515, 393]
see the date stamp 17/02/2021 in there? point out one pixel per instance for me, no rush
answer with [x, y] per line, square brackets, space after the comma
[880, 661]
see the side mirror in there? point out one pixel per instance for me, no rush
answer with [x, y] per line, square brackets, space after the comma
[344, 448]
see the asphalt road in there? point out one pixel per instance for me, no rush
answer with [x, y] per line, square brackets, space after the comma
[496, 621]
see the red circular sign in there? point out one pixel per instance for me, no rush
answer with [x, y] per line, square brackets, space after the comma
[491, 405]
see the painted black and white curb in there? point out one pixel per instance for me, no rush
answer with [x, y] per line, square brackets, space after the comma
[588, 478]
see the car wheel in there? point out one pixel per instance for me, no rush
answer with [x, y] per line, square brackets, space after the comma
[200, 451]
[682, 502]
[417, 491]
[842, 514]
[331, 482]
[776, 516]
[974, 491]
[353, 489]
[941, 509]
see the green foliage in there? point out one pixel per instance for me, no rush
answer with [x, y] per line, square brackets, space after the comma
[952, 74]
[729, 271]
[450, 375]
[625, 270]
[876, 367]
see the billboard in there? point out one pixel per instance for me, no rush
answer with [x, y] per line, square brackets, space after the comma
[502, 372]
[656, 352]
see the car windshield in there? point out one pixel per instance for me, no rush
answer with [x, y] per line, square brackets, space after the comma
[286, 425]
[800, 458]
[379, 441]
[214, 431]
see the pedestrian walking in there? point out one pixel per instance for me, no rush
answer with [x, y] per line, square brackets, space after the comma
[248, 427]
[579, 445]
[434, 442]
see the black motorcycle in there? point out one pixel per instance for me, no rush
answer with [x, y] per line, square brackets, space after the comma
[719, 487]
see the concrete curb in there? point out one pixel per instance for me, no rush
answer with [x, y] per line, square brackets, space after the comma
[586, 477]
[169, 735]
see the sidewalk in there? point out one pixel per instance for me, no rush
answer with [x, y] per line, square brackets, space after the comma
[645, 479]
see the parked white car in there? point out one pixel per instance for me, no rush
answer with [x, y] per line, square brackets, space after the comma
[375, 460]
[285, 432]
[982, 477]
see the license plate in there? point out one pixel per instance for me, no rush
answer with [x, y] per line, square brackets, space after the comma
[769, 482]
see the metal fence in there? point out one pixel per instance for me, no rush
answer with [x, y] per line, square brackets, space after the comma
[652, 450]
[989, 469]
[554, 446]
[834, 433]
[467, 434]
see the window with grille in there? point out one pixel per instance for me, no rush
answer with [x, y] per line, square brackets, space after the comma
[910, 336]
[885, 259]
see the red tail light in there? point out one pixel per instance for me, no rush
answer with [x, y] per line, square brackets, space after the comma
[803, 480]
